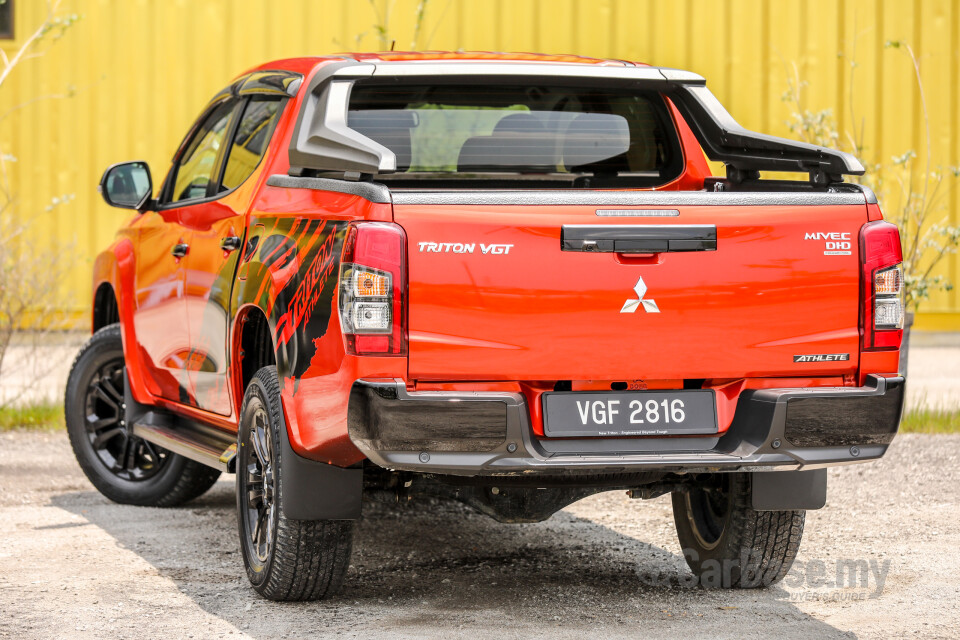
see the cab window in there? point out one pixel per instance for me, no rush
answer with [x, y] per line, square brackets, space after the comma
[195, 167]
[509, 133]
[250, 143]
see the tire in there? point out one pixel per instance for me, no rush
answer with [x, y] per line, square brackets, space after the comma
[728, 544]
[285, 559]
[123, 467]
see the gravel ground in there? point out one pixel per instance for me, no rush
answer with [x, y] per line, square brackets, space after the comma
[74, 565]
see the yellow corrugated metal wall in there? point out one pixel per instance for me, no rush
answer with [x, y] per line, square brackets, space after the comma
[140, 70]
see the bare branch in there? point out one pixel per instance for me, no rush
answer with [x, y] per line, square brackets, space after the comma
[436, 26]
[918, 209]
[418, 24]
[11, 64]
[30, 277]
[926, 114]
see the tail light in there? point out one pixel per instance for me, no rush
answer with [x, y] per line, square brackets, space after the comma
[373, 289]
[881, 317]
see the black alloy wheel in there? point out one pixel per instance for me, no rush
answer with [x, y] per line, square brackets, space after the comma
[122, 453]
[259, 496]
[122, 466]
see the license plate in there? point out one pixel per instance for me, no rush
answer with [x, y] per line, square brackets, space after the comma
[579, 414]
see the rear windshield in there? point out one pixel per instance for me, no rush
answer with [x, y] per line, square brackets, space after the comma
[519, 136]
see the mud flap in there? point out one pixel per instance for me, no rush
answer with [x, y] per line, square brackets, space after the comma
[789, 490]
[318, 491]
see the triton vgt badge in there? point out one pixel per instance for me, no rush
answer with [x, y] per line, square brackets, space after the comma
[650, 306]
[465, 247]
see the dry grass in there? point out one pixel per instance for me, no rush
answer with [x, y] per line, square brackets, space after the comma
[39, 417]
[931, 421]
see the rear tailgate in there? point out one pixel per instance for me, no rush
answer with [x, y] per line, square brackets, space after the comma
[494, 296]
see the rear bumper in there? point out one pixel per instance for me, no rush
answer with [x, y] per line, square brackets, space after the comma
[488, 433]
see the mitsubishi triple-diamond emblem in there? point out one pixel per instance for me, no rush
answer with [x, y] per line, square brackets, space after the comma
[650, 306]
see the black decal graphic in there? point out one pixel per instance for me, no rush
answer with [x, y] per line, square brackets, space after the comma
[292, 274]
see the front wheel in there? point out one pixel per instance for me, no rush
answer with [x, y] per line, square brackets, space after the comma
[728, 544]
[285, 559]
[123, 467]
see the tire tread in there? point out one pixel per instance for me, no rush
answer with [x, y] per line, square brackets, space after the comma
[770, 540]
[310, 557]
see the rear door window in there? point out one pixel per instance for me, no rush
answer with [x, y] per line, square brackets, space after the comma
[250, 143]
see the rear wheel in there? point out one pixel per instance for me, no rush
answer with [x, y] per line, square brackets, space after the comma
[123, 467]
[285, 559]
[727, 543]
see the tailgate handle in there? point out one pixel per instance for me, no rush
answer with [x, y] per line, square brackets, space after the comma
[639, 238]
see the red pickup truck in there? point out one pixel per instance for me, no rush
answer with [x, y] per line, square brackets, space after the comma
[508, 279]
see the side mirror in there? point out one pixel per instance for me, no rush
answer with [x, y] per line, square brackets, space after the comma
[127, 185]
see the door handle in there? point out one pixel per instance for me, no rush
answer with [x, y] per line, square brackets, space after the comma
[180, 249]
[640, 238]
[230, 243]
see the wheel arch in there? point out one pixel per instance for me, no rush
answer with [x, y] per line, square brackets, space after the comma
[114, 300]
[105, 308]
[253, 347]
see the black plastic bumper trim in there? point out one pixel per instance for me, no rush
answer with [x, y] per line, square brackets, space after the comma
[376, 419]
[754, 442]
[870, 418]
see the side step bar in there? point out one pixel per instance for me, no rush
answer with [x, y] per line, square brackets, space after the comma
[185, 437]
[194, 441]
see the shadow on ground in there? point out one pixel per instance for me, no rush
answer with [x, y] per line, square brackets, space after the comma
[435, 569]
